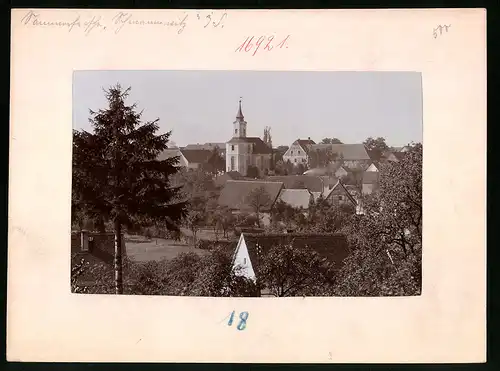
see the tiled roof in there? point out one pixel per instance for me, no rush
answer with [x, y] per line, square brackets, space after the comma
[312, 183]
[370, 177]
[331, 246]
[350, 152]
[196, 156]
[235, 192]
[259, 146]
[296, 197]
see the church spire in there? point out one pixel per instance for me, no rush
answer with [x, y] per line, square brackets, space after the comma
[239, 115]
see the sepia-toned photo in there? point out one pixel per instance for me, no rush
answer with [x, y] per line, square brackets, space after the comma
[247, 183]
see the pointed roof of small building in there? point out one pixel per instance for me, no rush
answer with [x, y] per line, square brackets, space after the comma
[333, 247]
[340, 185]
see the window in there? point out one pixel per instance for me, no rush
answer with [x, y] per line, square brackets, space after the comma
[298, 152]
[244, 260]
[291, 152]
[236, 131]
[232, 148]
[232, 162]
[295, 160]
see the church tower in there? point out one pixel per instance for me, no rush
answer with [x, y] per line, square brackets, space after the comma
[240, 125]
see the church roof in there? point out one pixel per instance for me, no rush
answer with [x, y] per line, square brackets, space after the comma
[259, 146]
[239, 115]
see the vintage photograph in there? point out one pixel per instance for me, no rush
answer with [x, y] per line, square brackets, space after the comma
[247, 183]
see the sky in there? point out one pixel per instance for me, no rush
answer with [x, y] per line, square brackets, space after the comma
[200, 106]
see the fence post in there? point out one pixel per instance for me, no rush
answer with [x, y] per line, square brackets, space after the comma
[84, 240]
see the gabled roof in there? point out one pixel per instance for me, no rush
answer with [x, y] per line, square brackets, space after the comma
[312, 183]
[305, 143]
[370, 177]
[196, 156]
[296, 197]
[259, 146]
[235, 193]
[350, 152]
[331, 246]
[340, 185]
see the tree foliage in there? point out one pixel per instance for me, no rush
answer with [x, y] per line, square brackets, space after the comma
[321, 158]
[258, 199]
[289, 271]
[387, 240]
[331, 141]
[116, 172]
[376, 146]
[189, 274]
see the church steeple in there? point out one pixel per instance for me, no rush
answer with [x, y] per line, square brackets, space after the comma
[239, 115]
[240, 125]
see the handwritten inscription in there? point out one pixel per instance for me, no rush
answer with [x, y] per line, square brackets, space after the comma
[268, 43]
[242, 324]
[439, 30]
[120, 20]
[123, 19]
[215, 23]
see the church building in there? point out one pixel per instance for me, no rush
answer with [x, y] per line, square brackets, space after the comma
[243, 152]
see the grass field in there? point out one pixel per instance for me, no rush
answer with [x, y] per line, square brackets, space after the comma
[142, 249]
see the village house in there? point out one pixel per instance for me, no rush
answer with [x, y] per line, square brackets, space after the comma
[188, 158]
[312, 183]
[370, 182]
[251, 249]
[352, 155]
[235, 195]
[297, 153]
[243, 152]
[221, 147]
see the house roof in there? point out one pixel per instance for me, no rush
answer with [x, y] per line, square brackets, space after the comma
[338, 185]
[350, 152]
[312, 183]
[230, 175]
[331, 246]
[169, 153]
[209, 146]
[235, 193]
[196, 156]
[296, 197]
[304, 143]
[259, 146]
[370, 177]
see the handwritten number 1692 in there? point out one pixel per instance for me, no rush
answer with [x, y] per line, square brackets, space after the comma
[242, 324]
[267, 42]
